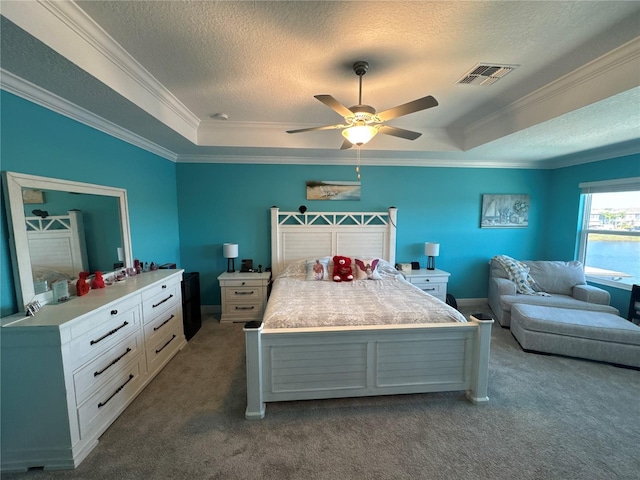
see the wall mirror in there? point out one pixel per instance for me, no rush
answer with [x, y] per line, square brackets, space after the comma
[80, 226]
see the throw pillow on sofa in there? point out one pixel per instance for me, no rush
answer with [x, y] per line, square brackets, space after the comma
[556, 276]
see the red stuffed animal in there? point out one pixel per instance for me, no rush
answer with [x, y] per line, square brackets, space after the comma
[342, 269]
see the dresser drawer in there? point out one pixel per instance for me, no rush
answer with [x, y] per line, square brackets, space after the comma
[245, 311]
[435, 289]
[162, 298]
[164, 322]
[164, 344]
[243, 294]
[99, 410]
[104, 315]
[99, 371]
[423, 282]
[243, 283]
[110, 332]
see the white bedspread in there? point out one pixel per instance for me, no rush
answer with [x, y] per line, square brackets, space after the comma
[296, 303]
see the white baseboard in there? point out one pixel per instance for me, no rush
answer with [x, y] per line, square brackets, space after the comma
[471, 302]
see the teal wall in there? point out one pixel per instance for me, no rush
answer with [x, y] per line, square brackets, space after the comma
[434, 204]
[184, 212]
[563, 223]
[38, 141]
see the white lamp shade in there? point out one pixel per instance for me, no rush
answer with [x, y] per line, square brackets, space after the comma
[230, 250]
[431, 249]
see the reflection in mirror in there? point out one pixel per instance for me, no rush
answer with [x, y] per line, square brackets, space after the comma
[60, 228]
[68, 233]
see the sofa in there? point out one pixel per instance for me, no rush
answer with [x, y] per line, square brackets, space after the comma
[564, 282]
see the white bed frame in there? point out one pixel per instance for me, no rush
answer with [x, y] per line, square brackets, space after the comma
[331, 362]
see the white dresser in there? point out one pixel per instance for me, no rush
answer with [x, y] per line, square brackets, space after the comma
[434, 282]
[244, 295]
[68, 372]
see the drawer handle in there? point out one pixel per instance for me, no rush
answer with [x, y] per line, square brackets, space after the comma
[164, 286]
[95, 374]
[114, 312]
[102, 404]
[162, 301]
[246, 308]
[155, 329]
[429, 289]
[166, 344]
[245, 293]
[93, 342]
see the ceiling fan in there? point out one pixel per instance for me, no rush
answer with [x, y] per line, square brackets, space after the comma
[362, 123]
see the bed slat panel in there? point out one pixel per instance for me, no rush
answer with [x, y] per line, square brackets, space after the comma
[317, 367]
[361, 244]
[421, 362]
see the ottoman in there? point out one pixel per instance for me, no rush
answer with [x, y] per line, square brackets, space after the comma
[576, 333]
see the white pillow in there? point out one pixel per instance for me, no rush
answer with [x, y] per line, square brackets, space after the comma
[317, 269]
[367, 269]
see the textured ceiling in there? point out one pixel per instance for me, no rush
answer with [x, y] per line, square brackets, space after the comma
[262, 62]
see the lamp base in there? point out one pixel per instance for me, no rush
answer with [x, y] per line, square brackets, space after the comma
[230, 265]
[431, 263]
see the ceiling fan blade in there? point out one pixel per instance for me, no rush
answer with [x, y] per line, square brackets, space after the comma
[335, 105]
[346, 145]
[312, 129]
[398, 132]
[407, 108]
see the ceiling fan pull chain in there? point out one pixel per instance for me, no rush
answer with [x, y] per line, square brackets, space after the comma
[358, 160]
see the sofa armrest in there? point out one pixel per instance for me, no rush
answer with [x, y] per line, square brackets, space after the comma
[591, 294]
[501, 286]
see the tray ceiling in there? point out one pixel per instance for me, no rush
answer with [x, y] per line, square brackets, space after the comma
[157, 73]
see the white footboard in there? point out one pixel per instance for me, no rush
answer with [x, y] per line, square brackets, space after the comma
[306, 363]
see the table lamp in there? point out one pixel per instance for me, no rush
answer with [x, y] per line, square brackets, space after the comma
[230, 251]
[431, 250]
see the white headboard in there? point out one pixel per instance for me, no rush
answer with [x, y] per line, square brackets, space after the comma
[57, 243]
[295, 236]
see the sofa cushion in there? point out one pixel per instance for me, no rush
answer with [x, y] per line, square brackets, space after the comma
[560, 301]
[555, 276]
[576, 323]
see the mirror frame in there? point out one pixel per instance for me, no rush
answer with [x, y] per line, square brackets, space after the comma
[18, 242]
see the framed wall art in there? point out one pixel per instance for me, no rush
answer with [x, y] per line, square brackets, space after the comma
[332, 190]
[505, 211]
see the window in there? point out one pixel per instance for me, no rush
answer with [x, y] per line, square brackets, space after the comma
[610, 235]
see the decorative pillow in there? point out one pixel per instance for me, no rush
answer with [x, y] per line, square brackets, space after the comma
[557, 276]
[366, 269]
[317, 269]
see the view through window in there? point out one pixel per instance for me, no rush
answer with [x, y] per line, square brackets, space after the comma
[610, 240]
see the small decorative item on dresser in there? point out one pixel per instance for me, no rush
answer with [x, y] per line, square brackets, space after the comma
[82, 286]
[98, 281]
[60, 291]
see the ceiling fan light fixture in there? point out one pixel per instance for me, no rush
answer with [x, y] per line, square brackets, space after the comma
[359, 134]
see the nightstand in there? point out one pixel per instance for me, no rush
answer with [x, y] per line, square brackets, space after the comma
[434, 282]
[244, 295]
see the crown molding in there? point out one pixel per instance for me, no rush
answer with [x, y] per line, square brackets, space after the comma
[35, 94]
[590, 156]
[68, 30]
[370, 161]
[608, 75]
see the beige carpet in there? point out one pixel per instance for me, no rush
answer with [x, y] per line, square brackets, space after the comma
[548, 417]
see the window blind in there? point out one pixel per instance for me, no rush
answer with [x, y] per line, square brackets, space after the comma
[608, 186]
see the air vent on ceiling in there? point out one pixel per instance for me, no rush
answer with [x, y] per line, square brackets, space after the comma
[485, 74]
